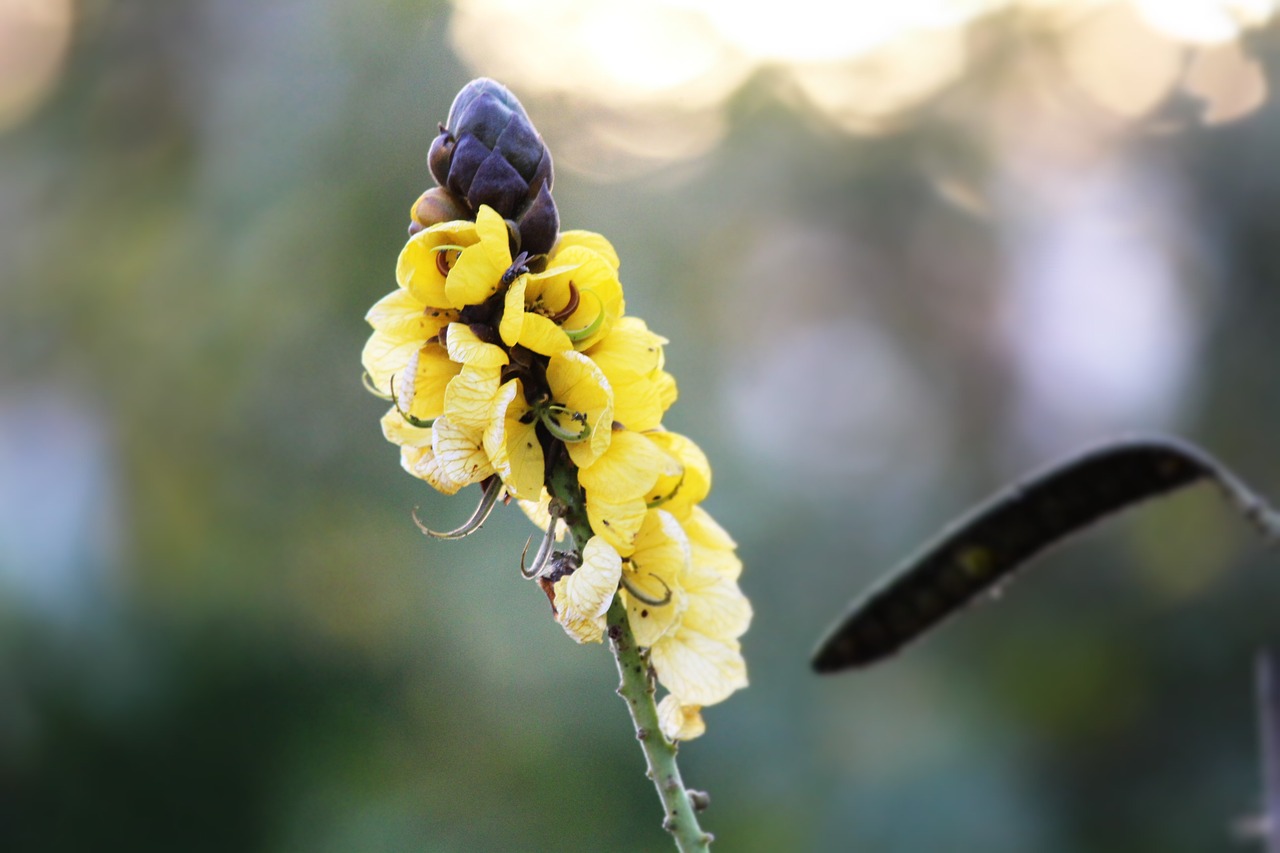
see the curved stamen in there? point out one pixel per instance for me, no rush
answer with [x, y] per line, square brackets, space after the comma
[642, 597]
[367, 381]
[492, 488]
[548, 416]
[572, 305]
[659, 501]
[591, 328]
[422, 423]
[542, 559]
[442, 257]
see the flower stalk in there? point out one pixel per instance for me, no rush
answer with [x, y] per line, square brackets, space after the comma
[679, 805]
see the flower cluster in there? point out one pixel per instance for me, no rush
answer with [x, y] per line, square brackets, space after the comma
[523, 373]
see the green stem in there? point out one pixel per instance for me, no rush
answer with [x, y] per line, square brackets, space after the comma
[636, 688]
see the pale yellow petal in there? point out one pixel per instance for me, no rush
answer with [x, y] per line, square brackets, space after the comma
[421, 462]
[400, 314]
[627, 470]
[680, 722]
[589, 589]
[420, 388]
[466, 348]
[716, 606]
[697, 669]
[618, 522]
[399, 431]
[629, 350]
[386, 355]
[468, 398]
[460, 452]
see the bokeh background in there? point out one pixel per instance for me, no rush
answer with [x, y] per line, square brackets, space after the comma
[904, 252]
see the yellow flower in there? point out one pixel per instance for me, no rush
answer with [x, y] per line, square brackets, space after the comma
[652, 578]
[615, 486]
[583, 596]
[692, 636]
[577, 264]
[477, 273]
[582, 406]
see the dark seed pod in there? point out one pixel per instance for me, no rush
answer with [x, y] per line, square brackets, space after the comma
[985, 548]
[490, 153]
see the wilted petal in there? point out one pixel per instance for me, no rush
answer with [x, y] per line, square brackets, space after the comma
[583, 597]
[460, 451]
[680, 722]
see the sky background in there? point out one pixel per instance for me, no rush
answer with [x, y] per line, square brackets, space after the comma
[903, 256]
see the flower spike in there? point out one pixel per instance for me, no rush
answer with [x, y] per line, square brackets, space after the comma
[492, 488]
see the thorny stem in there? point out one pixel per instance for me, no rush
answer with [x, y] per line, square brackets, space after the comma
[680, 818]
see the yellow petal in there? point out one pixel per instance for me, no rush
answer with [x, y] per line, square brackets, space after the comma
[583, 597]
[543, 336]
[587, 240]
[680, 722]
[592, 275]
[638, 404]
[716, 606]
[629, 350]
[679, 493]
[418, 267]
[627, 470]
[697, 669]
[420, 387]
[386, 355]
[477, 275]
[469, 396]
[513, 315]
[421, 462]
[578, 385]
[399, 431]
[400, 314]
[466, 348]
[513, 445]
[460, 452]
[710, 545]
[618, 522]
